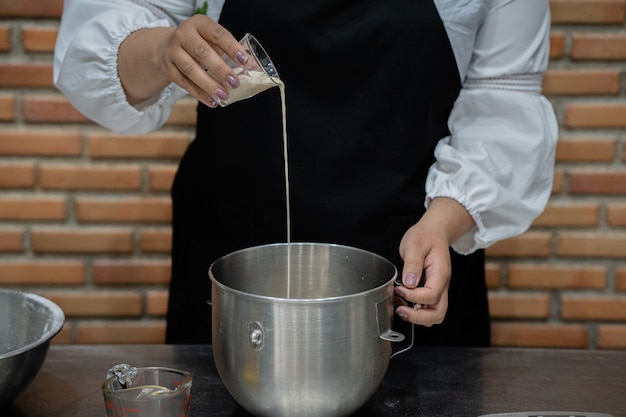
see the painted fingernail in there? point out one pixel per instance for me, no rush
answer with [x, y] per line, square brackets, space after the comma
[233, 81]
[212, 103]
[401, 314]
[410, 280]
[221, 94]
[241, 57]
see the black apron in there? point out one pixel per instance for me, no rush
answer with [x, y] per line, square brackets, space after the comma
[369, 89]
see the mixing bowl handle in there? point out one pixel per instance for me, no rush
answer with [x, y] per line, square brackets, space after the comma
[390, 335]
[407, 346]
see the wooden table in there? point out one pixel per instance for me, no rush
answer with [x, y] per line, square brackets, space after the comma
[422, 382]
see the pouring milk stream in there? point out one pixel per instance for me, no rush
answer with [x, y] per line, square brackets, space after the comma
[258, 77]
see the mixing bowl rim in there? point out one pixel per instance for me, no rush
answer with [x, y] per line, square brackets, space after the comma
[57, 322]
[325, 300]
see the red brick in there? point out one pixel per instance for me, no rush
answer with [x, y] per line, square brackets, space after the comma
[133, 332]
[492, 275]
[97, 304]
[38, 122]
[131, 209]
[617, 214]
[32, 208]
[40, 143]
[131, 273]
[40, 272]
[569, 214]
[156, 145]
[156, 303]
[39, 39]
[582, 82]
[17, 175]
[51, 109]
[587, 11]
[26, 75]
[595, 115]
[598, 46]
[161, 177]
[593, 307]
[597, 182]
[529, 244]
[509, 305]
[592, 245]
[557, 277]
[89, 177]
[586, 149]
[31, 8]
[11, 240]
[64, 337]
[621, 279]
[68, 240]
[5, 38]
[557, 45]
[156, 240]
[7, 107]
[559, 181]
[539, 335]
[612, 336]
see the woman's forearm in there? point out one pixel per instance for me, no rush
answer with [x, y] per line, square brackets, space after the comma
[139, 64]
[451, 216]
[189, 55]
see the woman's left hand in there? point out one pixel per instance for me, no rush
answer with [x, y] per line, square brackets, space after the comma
[425, 249]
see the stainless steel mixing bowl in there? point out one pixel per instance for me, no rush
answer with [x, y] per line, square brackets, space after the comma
[302, 329]
[28, 322]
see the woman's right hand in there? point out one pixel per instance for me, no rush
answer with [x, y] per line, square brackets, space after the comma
[189, 55]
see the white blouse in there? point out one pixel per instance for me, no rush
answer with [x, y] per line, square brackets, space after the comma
[498, 161]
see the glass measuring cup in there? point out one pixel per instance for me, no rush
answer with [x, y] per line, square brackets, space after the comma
[256, 75]
[147, 392]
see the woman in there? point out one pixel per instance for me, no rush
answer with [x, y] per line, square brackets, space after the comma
[413, 127]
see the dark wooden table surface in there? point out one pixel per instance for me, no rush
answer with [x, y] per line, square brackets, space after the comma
[421, 382]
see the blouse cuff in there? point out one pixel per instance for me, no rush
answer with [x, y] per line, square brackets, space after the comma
[500, 169]
[86, 72]
[151, 108]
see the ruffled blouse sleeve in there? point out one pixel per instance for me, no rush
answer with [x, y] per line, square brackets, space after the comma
[85, 59]
[498, 161]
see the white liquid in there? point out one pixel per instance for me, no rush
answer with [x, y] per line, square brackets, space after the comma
[144, 392]
[250, 84]
[281, 86]
[148, 401]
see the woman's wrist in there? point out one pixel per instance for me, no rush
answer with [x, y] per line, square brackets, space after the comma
[449, 215]
[139, 64]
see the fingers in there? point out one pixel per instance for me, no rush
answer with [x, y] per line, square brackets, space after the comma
[192, 59]
[413, 253]
[422, 314]
[223, 42]
[427, 303]
[423, 297]
[182, 69]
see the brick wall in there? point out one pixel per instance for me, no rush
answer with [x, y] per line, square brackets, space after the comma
[84, 213]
